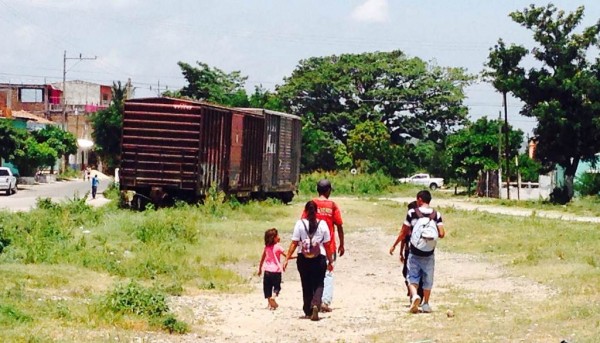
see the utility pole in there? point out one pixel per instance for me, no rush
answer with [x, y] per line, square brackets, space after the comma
[64, 85]
[500, 154]
[506, 147]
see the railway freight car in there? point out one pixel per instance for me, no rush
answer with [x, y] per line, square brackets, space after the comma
[178, 149]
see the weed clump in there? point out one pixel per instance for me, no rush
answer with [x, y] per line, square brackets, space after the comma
[148, 303]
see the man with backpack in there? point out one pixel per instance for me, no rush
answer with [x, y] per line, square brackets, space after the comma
[425, 227]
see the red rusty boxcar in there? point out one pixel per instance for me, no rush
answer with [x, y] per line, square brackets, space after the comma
[177, 149]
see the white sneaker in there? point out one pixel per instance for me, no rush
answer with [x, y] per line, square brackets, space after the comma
[414, 304]
[426, 308]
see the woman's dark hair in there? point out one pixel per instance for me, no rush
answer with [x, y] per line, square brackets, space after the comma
[270, 235]
[311, 214]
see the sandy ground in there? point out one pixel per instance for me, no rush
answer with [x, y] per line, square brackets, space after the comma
[369, 298]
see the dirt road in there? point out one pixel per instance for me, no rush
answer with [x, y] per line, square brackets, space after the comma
[369, 298]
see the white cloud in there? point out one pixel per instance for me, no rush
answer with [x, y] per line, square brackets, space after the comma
[372, 11]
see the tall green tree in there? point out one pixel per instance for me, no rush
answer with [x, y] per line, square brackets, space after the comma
[475, 148]
[263, 98]
[108, 127]
[371, 149]
[214, 85]
[63, 142]
[11, 139]
[412, 98]
[32, 155]
[562, 91]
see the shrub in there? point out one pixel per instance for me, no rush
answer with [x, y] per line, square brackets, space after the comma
[171, 324]
[135, 299]
[588, 184]
[347, 183]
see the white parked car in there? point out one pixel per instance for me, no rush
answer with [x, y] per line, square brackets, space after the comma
[8, 182]
[424, 180]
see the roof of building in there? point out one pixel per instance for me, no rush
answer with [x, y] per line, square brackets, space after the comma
[30, 116]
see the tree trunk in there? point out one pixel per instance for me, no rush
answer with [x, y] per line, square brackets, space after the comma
[565, 193]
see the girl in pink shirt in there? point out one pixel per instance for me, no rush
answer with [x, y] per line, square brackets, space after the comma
[272, 267]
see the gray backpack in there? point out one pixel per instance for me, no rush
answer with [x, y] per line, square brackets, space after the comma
[424, 234]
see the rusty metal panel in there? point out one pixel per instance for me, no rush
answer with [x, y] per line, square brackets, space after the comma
[283, 152]
[215, 140]
[252, 153]
[160, 143]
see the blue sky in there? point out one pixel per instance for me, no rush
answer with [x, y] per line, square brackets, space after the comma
[264, 39]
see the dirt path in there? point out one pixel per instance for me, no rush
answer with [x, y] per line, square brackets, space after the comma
[369, 298]
[513, 211]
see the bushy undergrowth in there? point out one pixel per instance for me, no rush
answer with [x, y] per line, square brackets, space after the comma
[347, 183]
[44, 234]
[147, 303]
[588, 184]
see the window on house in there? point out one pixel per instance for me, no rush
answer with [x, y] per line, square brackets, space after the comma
[31, 95]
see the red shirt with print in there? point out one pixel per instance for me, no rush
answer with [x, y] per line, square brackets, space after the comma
[328, 211]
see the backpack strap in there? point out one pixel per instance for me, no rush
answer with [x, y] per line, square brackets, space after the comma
[432, 216]
[418, 213]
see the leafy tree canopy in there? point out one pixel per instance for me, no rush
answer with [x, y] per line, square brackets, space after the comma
[213, 85]
[263, 98]
[108, 125]
[412, 98]
[475, 148]
[562, 91]
[58, 139]
[32, 155]
[11, 139]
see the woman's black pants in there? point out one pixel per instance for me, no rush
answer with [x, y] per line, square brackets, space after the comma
[312, 274]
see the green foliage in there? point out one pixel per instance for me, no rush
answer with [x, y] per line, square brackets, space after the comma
[172, 325]
[214, 201]
[46, 234]
[318, 148]
[63, 142]
[69, 173]
[11, 139]
[165, 229]
[214, 85]
[411, 97]
[346, 183]
[475, 148]
[529, 169]
[112, 192]
[133, 298]
[588, 184]
[561, 91]
[107, 128]
[10, 316]
[262, 98]
[31, 155]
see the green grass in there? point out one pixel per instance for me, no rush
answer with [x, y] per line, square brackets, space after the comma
[62, 262]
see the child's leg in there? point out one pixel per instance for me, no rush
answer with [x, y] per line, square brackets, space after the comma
[276, 283]
[276, 289]
[268, 287]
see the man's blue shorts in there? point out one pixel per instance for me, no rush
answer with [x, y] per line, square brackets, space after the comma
[421, 267]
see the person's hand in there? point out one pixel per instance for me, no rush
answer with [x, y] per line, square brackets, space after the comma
[259, 272]
[392, 250]
[401, 258]
[285, 264]
[330, 267]
[341, 250]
